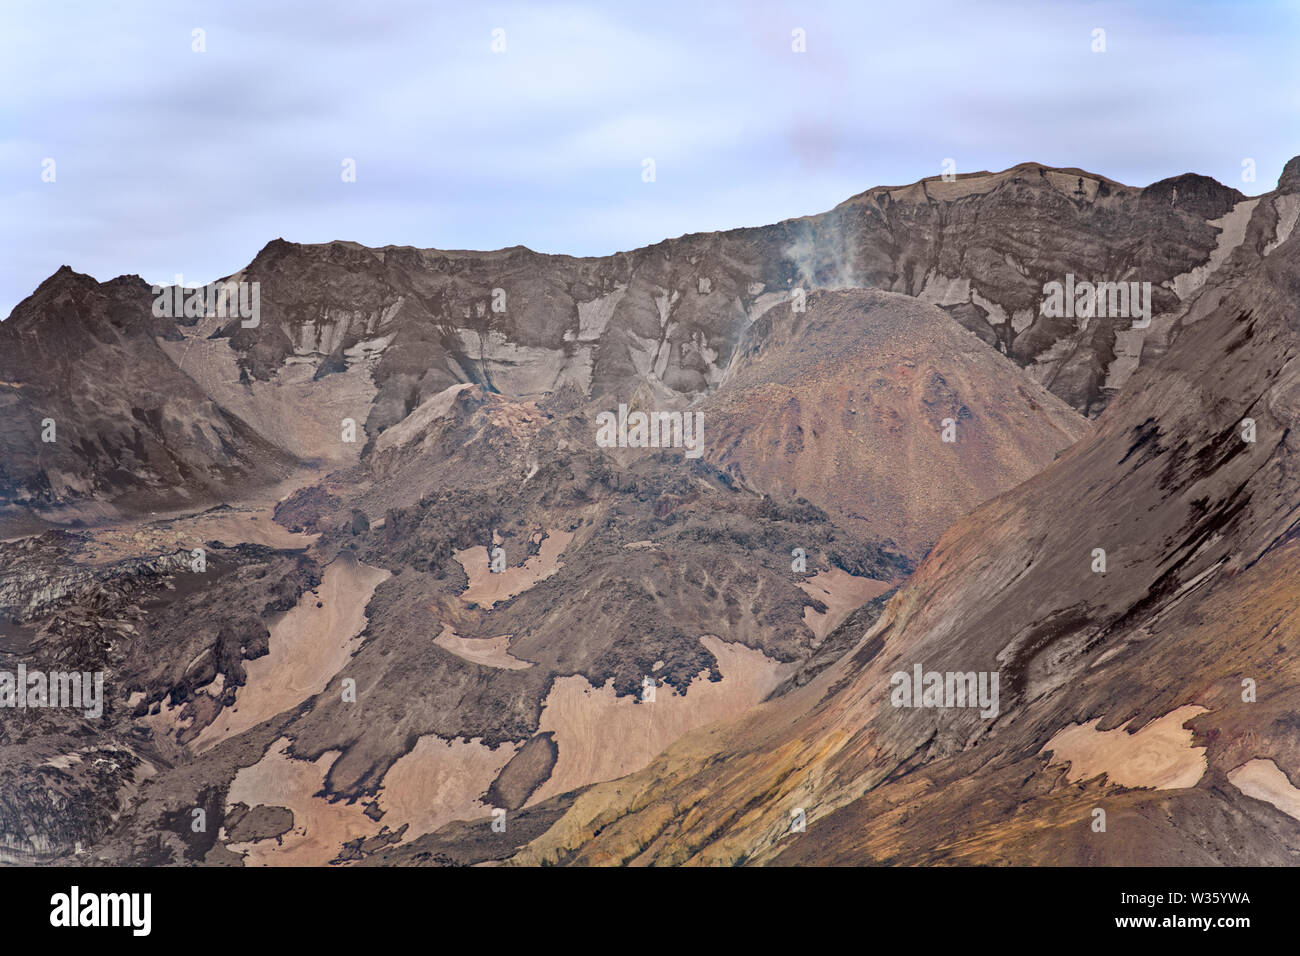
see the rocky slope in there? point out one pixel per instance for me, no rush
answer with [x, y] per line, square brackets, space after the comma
[621, 569]
[1147, 704]
[981, 247]
[852, 402]
[370, 334]
[427, 591]
[98, 413]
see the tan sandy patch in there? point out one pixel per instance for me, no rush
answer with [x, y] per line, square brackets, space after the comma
[320, 828]
[487, 589]
[115, 544]
[601, 736]
[440, 781]
[1159, 756]
[414, 425]
[842, 593]
[293, 410]
[250, 522]
[248, 528]
[1264, 780]
[308, 646]
[63, 762]
[488, 651]
[974, 185]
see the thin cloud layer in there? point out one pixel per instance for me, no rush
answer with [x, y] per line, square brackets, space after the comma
[173, 161]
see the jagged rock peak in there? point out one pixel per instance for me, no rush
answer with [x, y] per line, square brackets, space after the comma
[1192, 192]
[1290, 178]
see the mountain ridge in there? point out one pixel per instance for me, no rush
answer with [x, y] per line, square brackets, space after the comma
[393, 476]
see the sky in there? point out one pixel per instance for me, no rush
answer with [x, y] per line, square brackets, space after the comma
[480, 125]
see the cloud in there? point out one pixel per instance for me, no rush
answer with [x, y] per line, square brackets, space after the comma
[174, 161]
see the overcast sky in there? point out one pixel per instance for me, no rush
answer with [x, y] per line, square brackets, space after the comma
[172, 161]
